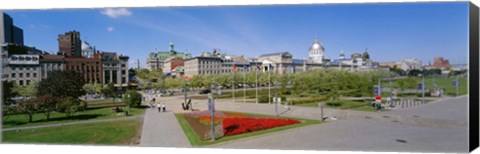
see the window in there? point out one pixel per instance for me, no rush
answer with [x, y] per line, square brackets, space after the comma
[20, 75]
[13, 75]
[20, 68]
[28, 82]
[27, 68]
[28, 75]
[34, 75]
[21, 82]
[13, 67]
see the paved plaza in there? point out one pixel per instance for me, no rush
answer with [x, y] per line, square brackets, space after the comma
[439, 126]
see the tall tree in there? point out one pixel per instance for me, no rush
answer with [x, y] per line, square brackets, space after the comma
[109, 90]
[46, 104]
[7, 102]
[62, 84]
[89, 88]
[27, 90]
[69, 106]
[132, 98]
[27, 107]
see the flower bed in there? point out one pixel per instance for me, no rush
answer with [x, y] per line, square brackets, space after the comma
[234, 126]
[207, 120]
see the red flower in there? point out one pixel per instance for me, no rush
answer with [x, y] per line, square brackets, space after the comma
[234, 126]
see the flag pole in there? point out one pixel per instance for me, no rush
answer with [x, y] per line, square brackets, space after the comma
[233, 86]
[244, 85]
[269, 96]
[256, 85]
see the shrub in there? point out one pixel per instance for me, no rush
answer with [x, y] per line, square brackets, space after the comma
[132, 98]
[70, 106]
[308, 100]
[263, 99]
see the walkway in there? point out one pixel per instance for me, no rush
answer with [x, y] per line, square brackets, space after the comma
[162, 130]
[440, 126]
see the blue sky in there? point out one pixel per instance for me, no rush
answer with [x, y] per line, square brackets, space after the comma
[390, 31]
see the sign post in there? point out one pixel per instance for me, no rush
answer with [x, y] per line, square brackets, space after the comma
[456, 84]
[211, 107]
[321, 105]
[275, 100]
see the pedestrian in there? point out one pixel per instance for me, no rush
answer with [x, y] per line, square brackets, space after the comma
[163, 107]
[159, 108]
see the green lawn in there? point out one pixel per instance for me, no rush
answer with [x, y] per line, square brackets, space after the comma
[21, 120]
[344, 105]
[195, 140]
[441, 82]
[106, 133]
[104, 102]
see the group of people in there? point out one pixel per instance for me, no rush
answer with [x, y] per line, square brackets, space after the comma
[160, 108]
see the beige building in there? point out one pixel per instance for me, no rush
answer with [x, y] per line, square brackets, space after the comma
[23, 69]
[115, 69]
[203, 65]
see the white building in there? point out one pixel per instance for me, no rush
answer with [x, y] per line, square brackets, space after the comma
[87, 50]
[316, 52]
[410, 64]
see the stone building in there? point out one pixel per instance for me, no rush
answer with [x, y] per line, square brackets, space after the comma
[89, 68]
[23, 69]
[50, 63]
[441, 63]
[115, 69]
[170, 66]
[156, 59]
[203, 65]
[69, 44]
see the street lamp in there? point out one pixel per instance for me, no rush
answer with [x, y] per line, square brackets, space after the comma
[423, 87]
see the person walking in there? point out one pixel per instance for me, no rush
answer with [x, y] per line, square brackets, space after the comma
[159, 108]
[163, 107]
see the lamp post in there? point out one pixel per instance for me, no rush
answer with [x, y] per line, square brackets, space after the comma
[423, 87]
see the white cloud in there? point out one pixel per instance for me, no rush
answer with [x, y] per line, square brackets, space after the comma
[115, 13]
[110, 29]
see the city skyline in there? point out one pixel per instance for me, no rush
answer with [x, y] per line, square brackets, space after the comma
[429, 30]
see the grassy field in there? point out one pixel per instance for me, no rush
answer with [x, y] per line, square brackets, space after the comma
[106, 133]
[441, 82]
[21, 120]
[105, 102]
[344, 105]
[195, 140]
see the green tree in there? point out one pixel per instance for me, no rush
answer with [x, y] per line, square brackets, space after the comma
[407, 83]
[27, 106]
[62, 84]
[110, 91]
[69, 106]
[46, 104]
[132, 99]
[28, 90]
[97, 87]
[7, 102]
[89, 88]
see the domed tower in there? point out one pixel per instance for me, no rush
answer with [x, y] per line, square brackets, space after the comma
[171, 49]
[316, 52]
[342, 55]
[366, 56]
